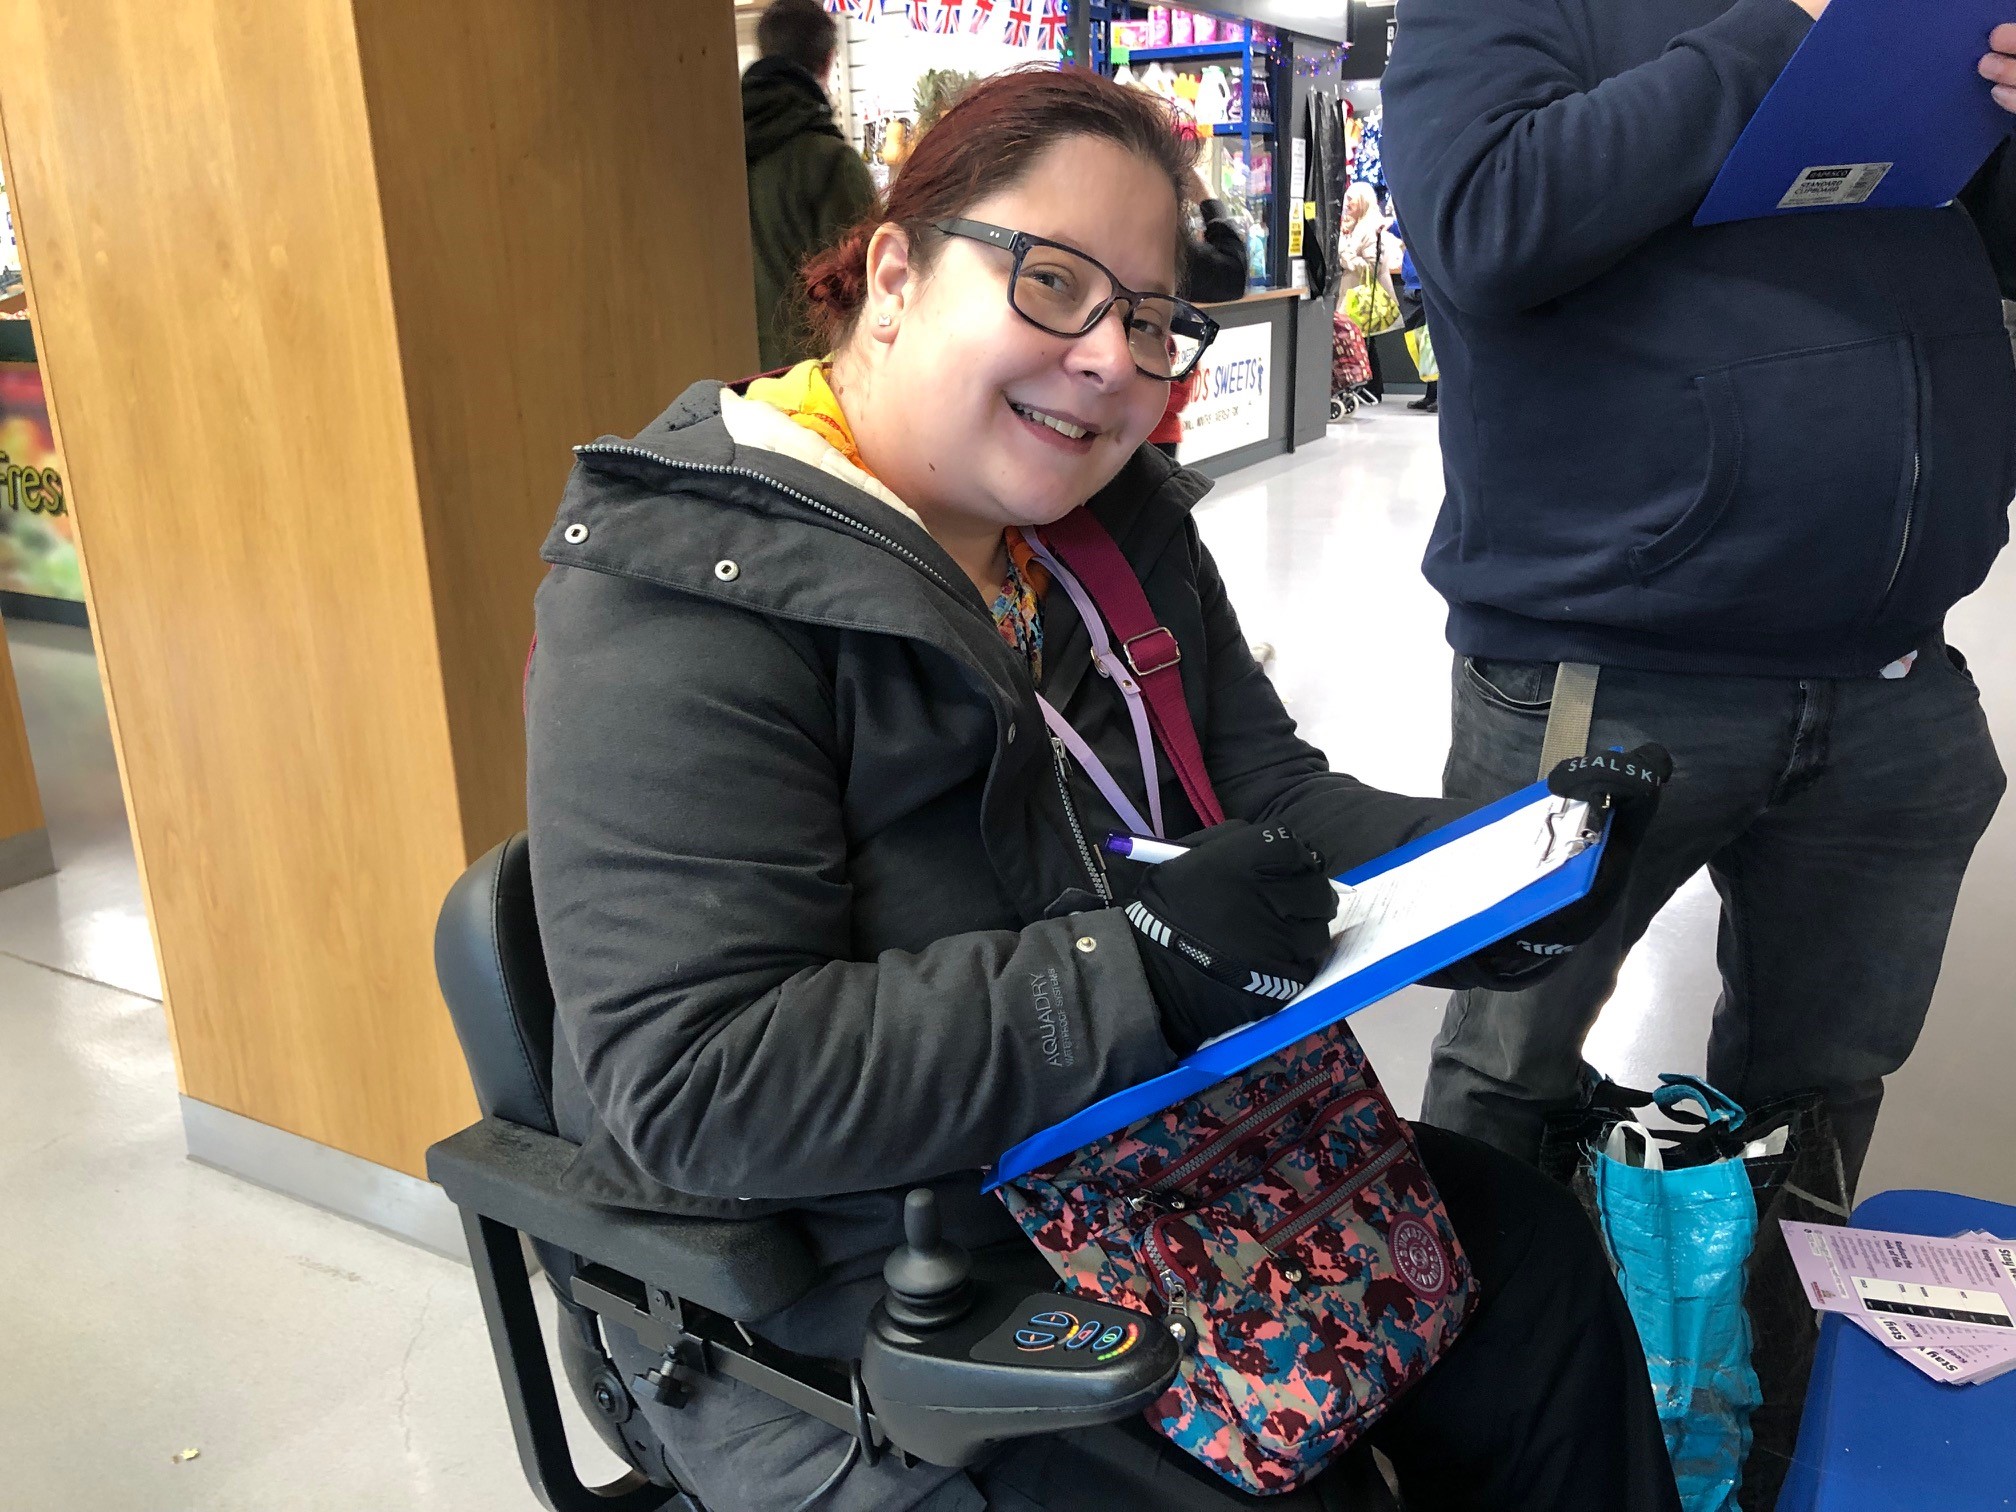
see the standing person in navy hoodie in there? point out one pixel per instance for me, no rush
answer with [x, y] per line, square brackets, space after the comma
[1742, 472]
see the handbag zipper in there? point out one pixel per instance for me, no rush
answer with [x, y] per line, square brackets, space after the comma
[1170, 1284]
[1283, 1232]
[1203, 1159]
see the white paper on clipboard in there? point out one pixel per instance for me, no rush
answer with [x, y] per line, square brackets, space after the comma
[1451, 883]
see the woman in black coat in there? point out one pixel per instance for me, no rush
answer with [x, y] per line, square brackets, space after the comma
[817, 886]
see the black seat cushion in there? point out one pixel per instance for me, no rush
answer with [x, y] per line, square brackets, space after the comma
[492, 971]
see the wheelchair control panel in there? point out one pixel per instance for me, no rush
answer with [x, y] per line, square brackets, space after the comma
[1048, 1332]
[953, 1366]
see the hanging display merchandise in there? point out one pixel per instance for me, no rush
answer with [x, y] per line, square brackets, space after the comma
[1217, 75]
[909, 60]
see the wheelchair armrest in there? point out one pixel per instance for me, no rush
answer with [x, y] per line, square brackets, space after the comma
[513, 1175]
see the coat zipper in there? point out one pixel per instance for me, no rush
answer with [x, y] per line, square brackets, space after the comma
[1205, 1158]
[1910, 519]
[599, 449]
[1085, 854]
[1326, 1205]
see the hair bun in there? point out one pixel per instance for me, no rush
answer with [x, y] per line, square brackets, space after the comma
[836, 283]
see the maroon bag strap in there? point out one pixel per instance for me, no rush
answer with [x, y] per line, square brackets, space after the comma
[1149, 647]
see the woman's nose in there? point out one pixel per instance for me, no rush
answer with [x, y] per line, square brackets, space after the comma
[1103, 353]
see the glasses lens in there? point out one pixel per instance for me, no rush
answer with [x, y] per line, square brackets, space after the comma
[1059, 290]
[1063, 292]
[1167, 337]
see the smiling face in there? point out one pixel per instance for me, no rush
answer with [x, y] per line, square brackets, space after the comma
[976, 418]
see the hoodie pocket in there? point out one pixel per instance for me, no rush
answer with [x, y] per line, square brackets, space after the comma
[1802, 520]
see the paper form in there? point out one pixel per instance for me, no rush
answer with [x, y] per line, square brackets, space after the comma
[1450, 884]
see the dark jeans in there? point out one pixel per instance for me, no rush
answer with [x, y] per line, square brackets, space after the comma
[1836, 818]
[1541, 1405]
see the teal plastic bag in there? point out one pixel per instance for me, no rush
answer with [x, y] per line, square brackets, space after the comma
[1680, 1240]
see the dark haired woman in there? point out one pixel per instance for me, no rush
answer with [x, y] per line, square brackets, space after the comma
[802, 840]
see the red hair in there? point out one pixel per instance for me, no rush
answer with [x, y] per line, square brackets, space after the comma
[986, 143]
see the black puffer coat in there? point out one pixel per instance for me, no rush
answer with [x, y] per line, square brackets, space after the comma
[816, 890]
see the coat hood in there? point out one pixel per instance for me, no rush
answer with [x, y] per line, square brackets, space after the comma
[724, 498]
[781, 102]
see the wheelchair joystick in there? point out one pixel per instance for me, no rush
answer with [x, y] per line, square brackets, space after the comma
[930, 1279]
[957, 1359]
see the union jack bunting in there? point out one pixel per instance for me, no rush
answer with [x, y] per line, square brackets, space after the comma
[982, 12]
[945, 17]
[1021, 18]
[1053, 26]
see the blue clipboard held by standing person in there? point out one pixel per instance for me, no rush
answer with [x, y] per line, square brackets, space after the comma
[1490, 874]
[1883, 106]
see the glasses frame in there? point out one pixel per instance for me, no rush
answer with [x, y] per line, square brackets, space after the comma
[1019, 244]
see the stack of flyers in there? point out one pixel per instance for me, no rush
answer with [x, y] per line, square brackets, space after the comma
[1946, 1306]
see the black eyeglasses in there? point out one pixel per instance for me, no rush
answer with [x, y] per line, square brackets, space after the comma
[1061, 290]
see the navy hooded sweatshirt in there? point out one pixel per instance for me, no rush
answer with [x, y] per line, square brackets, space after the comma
[1784, 446]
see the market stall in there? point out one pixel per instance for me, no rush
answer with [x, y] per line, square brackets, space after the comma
[39, 574]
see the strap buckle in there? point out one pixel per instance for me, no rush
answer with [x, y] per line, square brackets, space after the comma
[1169, 636]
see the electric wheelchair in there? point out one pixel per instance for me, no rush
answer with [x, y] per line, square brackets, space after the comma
[953, 1364]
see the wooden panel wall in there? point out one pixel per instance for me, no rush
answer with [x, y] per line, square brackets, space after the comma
[563, 194]
[20, 800]
[323, 296]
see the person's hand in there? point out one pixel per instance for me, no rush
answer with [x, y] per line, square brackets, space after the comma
[1999, 66]
[1232, 930]
[1628, 786]
[1200, 187]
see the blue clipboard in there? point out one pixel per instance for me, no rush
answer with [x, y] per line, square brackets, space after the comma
[1882, 106]
[1275, 1033]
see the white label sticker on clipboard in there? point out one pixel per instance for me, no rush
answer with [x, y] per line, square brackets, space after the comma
[1835, 184]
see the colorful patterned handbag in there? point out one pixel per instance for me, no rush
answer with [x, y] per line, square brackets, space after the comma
[1282, 1220]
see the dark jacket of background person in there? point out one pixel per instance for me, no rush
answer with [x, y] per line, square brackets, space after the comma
[820, 924]
[806, 187]
[1215, 269]
[1784, 446]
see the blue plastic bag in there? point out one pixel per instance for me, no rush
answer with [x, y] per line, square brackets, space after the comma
[1680, 1240]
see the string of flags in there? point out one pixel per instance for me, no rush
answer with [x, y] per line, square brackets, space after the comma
[1044, 24]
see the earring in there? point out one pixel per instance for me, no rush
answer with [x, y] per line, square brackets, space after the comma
[883, 320]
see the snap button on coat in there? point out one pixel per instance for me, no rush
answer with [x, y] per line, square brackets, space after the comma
[726, 570]
[574, 535]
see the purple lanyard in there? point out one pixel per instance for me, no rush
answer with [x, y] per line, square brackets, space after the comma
[1111, 666]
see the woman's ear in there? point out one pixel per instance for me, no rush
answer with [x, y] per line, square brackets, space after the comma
[891, 282]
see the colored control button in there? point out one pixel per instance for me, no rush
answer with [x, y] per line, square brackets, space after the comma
[1063, 1322]
[1034, 1338]
[1084, 1334]
[1109, 1338]
[1128, 1339]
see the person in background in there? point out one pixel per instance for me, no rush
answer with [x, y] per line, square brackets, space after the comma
[1361, 250]
[806, 184]
[1414, 317]
[1740, 471]
[1214, 272]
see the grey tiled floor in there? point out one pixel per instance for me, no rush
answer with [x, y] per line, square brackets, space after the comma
[158, 1305]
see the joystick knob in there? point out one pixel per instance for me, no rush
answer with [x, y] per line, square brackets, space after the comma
[929, 1278]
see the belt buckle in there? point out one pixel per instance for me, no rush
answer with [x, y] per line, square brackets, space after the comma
[1175, 651]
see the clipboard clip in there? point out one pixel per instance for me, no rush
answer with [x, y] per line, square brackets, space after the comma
[1562, 847]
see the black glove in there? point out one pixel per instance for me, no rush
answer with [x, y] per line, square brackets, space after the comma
[1232, 930]
[1628, 785]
